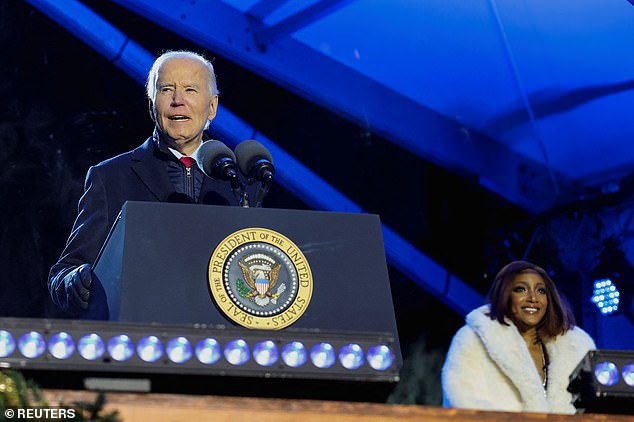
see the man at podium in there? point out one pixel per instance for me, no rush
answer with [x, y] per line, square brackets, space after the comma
[183, 98]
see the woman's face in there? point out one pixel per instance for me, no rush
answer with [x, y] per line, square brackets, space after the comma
[529, 299]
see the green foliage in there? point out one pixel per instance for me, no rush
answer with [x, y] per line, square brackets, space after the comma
[16, 392]
[420, 376]
[243, 289]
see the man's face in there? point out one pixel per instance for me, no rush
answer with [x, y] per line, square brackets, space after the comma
[183, 102]
[529, 299]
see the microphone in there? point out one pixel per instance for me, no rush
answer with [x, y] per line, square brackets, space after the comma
[217, 161]
[255, 162]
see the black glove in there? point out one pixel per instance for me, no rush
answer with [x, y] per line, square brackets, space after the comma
[77, 284]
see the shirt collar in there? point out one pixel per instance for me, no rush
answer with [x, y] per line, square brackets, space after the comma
[162, 145]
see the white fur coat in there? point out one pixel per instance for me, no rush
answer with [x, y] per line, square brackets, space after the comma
[488, 366]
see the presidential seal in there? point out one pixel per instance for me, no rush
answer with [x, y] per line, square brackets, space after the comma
[260, 279]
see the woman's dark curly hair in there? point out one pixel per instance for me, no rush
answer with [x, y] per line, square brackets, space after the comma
[558, 318]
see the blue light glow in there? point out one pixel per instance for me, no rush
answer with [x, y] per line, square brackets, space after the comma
[237, 352]
[32, 344]
[7, 343]
[91, 346]
[606, 373]
[606, 296]
[149, 349]
[179, 350]
[120, 347]
[208, 351]
[323, 355]
[294, 354]
[265, 353]
[351, 356]
[380, 357]
[61, 345]
[628, 374]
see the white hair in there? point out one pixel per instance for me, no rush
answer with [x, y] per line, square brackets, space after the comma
[150, 84]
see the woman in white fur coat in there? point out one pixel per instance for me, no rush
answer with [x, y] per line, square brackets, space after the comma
[516, 353]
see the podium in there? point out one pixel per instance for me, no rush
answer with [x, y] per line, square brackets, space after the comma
[226, 301]
[154, 265]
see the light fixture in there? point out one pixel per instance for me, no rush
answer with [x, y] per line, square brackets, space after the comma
[265, 353]
[292, 362]
[31, 344]
[7, 343]
[603, 382]
[179, 349]
[61, 345]
[120, 347]
[606, 296]
[208, 350]
[150, 349]
[351, 356]
[323, 355]
[380, 357]
[294, 354]
[237, 352]
[613, 281]
[91, 346]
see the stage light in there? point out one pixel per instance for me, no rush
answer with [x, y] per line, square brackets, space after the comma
[149, 349]
[75, 353]
[91, 346]
[323, 355]
[7, 343]
[606, 373]
[179, 350]
[351, 356]
[603, 382]
[613, 283]
[294, 354]
[208, 351]
[61, 345]
[32, 344]
[628, 374]
[265, 353]
[237, 352]
[606, 296]
[120, 347]
[380, 357]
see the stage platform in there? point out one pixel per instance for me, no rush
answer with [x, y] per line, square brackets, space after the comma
[143, 407]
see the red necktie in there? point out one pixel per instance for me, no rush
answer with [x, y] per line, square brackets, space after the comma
[188, 161]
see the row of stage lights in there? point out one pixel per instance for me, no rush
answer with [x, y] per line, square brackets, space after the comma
[194, 348]
[208, 350]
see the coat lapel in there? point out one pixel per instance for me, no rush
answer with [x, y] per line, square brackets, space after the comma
[151, 171]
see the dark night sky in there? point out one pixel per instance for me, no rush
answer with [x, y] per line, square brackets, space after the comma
[64, 108]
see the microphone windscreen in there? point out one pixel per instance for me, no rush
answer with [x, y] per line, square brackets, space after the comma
[250, 152]
[209, 155]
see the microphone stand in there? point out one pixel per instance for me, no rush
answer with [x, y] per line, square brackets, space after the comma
[239, 191]
[263, 189]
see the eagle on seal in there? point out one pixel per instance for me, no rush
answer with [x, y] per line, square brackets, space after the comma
[261, 280]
